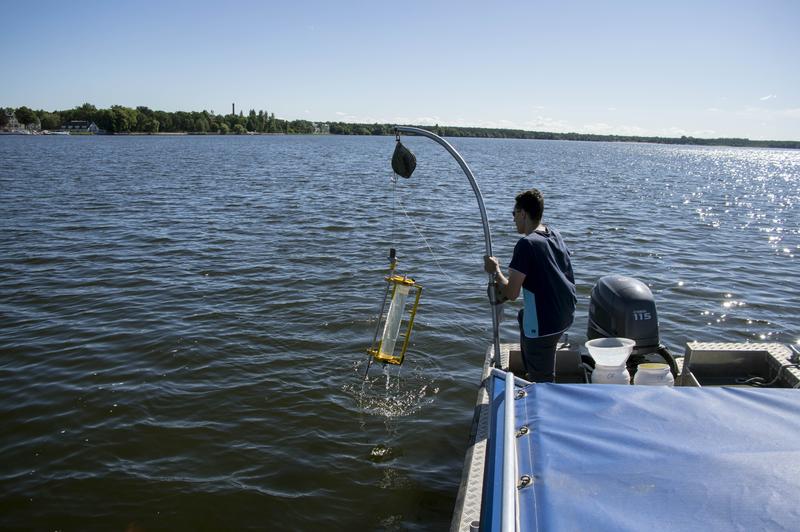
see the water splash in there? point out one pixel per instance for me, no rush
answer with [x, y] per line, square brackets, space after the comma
[395, 392]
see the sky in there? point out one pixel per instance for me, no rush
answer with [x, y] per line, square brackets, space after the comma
[695, 68]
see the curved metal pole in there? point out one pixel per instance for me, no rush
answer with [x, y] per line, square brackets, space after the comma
[486, 233]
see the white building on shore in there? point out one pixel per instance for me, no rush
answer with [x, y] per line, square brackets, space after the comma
[81, 126]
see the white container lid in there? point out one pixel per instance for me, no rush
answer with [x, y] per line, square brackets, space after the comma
[652, 366]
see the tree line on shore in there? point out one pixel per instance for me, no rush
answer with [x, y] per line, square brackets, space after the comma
[542, 135]
[119, 120]
[479, 132]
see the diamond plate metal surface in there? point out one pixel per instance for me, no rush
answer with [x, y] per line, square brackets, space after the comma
[468, 502]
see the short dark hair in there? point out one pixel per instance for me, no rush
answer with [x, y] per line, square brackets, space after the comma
[532, 202]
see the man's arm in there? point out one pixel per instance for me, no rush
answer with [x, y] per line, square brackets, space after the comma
[509, 287]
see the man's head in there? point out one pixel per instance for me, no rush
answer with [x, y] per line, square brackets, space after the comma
[532, 203]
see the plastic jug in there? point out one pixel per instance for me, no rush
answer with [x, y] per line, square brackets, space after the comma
[611, 374]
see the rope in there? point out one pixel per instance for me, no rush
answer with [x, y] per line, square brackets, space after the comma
[395, 202]
[433, 255]
[761, 382]
[394, 197]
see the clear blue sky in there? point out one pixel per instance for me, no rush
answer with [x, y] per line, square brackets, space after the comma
[702, 68]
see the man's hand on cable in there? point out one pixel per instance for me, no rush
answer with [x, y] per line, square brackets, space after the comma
[499, 296]
[490, 265]
[508, 287]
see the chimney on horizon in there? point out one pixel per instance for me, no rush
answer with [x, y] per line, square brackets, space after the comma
[233, 108]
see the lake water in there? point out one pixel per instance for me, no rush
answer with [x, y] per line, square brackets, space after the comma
[183, 320]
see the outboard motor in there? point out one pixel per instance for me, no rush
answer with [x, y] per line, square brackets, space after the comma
[624, 307]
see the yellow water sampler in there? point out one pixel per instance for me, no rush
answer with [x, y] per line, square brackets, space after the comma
[400, 290]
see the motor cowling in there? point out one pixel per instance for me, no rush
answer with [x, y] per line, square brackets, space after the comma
[623, 307]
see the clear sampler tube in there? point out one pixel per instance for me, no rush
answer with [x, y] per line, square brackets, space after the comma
[394, 319]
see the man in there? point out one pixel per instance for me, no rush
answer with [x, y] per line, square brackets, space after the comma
[540, 267]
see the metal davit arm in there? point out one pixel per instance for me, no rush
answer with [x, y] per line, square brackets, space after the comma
[486, 234]
[457, 156]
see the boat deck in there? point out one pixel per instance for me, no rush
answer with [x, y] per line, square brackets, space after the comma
[705, 358]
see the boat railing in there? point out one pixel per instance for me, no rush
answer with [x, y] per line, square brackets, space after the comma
[502, 470]
[509, 521]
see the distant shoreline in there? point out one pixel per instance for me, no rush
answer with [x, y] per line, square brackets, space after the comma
[121, 120]
[447, 131]
[498, 134]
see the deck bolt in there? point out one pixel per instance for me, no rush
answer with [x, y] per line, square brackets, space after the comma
[524, 481]
[523, 430]
[521, 394]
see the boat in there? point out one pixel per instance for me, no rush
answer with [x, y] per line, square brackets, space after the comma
[718, 450]
[715, 446]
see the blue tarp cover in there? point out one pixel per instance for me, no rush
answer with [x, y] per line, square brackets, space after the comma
[608, 457]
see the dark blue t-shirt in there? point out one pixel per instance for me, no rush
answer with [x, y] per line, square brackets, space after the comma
[548, 290]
